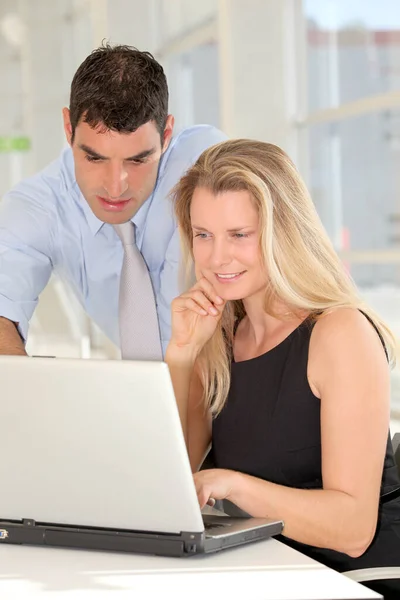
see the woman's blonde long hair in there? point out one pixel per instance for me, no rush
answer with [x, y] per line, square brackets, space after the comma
[304, 271]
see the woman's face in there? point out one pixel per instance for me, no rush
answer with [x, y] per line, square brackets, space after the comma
[226, 245]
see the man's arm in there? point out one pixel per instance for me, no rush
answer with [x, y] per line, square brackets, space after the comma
[26, 251]
[10, 340]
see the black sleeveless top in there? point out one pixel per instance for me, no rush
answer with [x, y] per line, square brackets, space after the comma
[270, 428]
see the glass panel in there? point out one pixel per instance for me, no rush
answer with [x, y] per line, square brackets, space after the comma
[179, 17]
[194, 86]
[355, 184]
[353, 50]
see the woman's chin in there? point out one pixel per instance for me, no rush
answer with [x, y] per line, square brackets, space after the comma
[228, 295]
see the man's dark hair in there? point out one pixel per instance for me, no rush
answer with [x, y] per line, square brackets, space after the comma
[120, 88]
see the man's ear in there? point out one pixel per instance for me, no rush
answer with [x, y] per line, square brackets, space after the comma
[67, 125]
[168, 131]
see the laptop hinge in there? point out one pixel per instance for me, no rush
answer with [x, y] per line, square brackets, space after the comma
[28, 523]
[193, 542]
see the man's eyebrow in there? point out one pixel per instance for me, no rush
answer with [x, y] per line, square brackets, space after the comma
[142, 155]
[139, 156]
[92, 152]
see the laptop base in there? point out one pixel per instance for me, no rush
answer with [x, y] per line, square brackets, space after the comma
[29, 532]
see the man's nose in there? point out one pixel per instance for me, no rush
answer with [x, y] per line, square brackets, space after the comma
[115, 181]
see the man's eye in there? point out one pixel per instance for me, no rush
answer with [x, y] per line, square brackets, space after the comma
[92, 159]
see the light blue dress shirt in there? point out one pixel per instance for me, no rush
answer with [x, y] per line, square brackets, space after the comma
[46, 224]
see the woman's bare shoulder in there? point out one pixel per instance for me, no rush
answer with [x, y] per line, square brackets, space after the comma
[344, 344]
[344, 324]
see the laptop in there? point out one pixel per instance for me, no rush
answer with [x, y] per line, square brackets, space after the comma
[92, 455]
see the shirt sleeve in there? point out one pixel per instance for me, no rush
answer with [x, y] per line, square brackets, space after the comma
[170, 285]
[26, 232]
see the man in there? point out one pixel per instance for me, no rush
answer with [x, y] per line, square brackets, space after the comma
[120, 166]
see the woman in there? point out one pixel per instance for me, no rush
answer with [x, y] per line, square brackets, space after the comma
[276, 361]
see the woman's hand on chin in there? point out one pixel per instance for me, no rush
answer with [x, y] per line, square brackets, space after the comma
[195, 316]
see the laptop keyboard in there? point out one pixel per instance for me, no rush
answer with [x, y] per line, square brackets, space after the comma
[208, 525]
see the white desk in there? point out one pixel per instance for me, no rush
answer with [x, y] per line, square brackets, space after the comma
[266, 570]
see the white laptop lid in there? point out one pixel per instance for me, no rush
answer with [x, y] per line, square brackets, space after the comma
[93, 443]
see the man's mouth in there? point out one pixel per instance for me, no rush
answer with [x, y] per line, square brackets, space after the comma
[113, 205]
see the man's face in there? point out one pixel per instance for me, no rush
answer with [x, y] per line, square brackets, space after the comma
[116, 172]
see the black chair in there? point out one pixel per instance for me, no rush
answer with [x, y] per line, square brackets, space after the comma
[380, 573]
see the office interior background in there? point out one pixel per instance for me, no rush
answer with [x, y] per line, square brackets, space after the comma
[321, 78]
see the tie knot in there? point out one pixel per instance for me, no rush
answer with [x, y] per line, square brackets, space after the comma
[126, 233]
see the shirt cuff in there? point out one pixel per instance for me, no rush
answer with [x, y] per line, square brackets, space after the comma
[10, 310]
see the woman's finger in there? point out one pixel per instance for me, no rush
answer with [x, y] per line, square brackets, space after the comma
[203, 495]
[202, 300]
[188, 303]
[210, 292]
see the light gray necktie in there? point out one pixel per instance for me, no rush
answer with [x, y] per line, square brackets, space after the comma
[138, 322]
